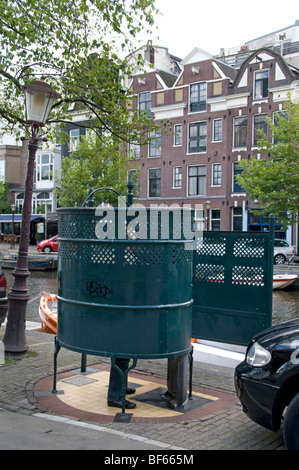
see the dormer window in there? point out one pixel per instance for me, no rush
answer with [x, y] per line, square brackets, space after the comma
[261, 83]
[145, 102]
[198, 97]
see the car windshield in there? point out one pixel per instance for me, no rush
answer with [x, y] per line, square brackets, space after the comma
[281, 243]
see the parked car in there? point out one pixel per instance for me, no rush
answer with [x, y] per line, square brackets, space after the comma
[267, 381]
[47, 246]
[283, 251]
[3, 297]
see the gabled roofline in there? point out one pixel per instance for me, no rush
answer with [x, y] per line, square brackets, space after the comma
[256, 53]
[194, 51]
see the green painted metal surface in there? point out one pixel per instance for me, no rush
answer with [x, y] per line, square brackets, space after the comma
[121, 292]
[232, 285]
[127, 278]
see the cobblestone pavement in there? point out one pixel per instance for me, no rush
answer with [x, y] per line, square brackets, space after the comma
[226, 428]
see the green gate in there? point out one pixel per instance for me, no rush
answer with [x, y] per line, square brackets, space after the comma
[232, 285]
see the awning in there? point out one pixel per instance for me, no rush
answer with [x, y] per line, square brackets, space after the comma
[18, 218]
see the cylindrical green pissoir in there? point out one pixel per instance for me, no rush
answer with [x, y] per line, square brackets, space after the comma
[124, 282]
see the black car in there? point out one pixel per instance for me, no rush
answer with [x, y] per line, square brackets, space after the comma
[3, 297]
[267, 381]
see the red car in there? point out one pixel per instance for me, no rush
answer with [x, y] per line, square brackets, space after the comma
[47, 246]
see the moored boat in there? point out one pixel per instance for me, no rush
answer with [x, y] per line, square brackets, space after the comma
[35, 263]
[48, 313]
[280, 281]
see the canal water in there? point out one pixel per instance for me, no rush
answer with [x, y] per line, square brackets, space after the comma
[285, 302]
[37, 283]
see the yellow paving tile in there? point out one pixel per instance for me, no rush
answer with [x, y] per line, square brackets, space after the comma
[89, 393]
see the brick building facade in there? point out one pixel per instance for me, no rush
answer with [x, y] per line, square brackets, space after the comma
[13, 165]
[215, 106]
[215, 112]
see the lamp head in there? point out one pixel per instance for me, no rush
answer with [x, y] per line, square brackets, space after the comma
[39, 99]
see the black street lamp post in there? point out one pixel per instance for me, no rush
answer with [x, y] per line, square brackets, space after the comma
[39, 101]
[13, 209]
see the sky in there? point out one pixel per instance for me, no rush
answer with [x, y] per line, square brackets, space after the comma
[214, 24]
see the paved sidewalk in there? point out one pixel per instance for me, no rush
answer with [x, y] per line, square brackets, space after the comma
[214, 421]
[7, 249]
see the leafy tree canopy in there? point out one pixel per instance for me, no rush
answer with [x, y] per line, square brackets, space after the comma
[97, 163]
[5, 204]
[273, 179]
[75, 46]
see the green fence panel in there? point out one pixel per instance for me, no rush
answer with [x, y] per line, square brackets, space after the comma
[232, 285]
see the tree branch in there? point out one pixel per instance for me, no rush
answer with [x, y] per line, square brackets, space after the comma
[10, 78]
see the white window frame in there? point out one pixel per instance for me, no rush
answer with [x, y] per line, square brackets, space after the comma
[145, 105]
[134, 149]
[90, 134]
[199, 124]
[234, 132]
[214, 219]
[176, 134]
[279, 113]
[148, 182]
[196, 176]
[255, 97]
[200, 92]
[199, 220]
[236, 188]
[237, 215]
[214, 122]
[254, 127]
[155, 144]
[174, 179]
[39, 201]
[74, 139]
[214, 172]
[40, 166]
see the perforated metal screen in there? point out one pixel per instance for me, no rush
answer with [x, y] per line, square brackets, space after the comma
[232, 285]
